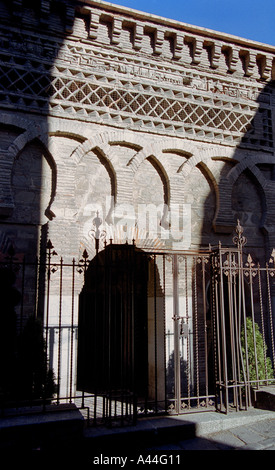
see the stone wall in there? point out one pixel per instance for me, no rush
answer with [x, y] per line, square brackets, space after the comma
[105, 108]
[163, 130]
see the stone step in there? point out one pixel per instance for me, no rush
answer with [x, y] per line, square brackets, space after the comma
[264, 398]
[58, 426]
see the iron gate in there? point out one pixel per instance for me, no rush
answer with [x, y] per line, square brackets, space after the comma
[243, 294]
[144, 330]
[134, 333]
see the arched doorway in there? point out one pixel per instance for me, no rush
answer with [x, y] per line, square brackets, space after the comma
[113, 324]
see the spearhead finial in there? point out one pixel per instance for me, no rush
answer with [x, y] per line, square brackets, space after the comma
[239, 239]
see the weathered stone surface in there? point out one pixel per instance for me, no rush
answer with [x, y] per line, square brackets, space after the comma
[118, 111]
[162, 130]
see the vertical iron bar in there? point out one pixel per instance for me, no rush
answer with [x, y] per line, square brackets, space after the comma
[97, 297]
[219, 354]
[48, 297]
[48, 267]
[85, 267]
[104, 333]
[242, 296]
[253, 323]
[22, 295]
[215, 327]
[262, 316]
[36, 285]
[205, 330]
[123, 313]
[134, 313]
[155, 334]
[248, 392]
[239, 307]
[223, 333]
[188, 336]
[164, 327]
[230, 280]
[237, 336]
[72, 332]
[129, 385]
[176, 335]
[270, 317]
[196, 330]
[130, 316]
[109, 328]
[148, 261]
[59, 330]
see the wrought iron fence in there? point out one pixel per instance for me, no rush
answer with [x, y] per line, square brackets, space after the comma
[244, 323]
[132, 333]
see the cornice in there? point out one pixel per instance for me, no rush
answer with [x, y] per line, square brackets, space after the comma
[184, 27]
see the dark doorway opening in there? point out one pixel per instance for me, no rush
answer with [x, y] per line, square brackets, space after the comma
[113, 324]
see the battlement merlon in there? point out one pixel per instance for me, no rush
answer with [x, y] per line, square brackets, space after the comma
[255, 59]
[258, 59]
[181, 26]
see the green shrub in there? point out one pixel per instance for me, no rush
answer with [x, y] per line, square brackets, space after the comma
[265, 370]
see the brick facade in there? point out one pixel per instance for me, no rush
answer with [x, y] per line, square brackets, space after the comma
[163, 129]
[101, 103]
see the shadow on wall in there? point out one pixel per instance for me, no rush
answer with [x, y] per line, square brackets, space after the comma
[28, 175]
[244, 186]
[244, 190]
[30, 172]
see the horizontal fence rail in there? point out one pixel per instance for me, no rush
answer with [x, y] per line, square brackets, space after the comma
[132, 333]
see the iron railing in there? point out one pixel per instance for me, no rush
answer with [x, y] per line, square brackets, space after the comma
[244, 322]
[132, 333]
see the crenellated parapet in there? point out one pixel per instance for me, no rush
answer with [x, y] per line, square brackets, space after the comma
[185, 45]
[144, 33]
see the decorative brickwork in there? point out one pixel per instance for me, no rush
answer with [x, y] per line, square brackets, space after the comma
[85, 81]
[120, 126]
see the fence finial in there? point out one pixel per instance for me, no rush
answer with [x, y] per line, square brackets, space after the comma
[239, 239]
[96, 233]
[50, 248]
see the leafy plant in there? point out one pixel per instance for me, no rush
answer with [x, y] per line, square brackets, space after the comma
[262, 361]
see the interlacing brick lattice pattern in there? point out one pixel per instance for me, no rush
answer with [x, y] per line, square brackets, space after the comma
[143, 104]
[122, 99]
